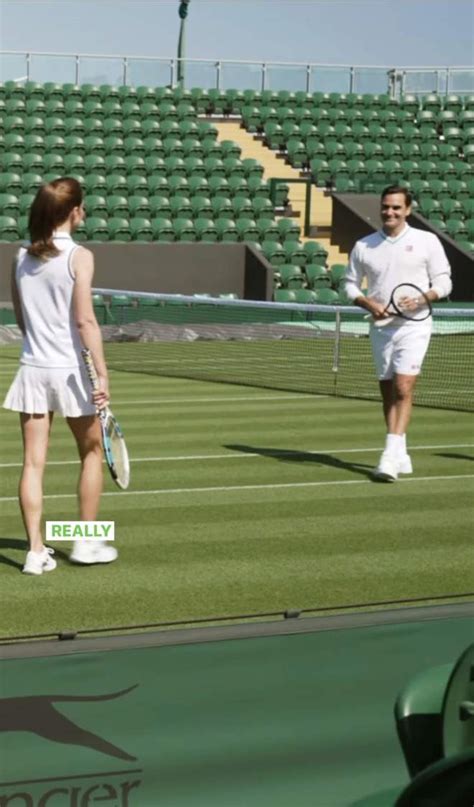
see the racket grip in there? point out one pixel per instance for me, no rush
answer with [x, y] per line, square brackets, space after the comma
[89, 364]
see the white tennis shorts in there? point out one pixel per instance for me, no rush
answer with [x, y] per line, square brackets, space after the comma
[38, 390]
[399, 348]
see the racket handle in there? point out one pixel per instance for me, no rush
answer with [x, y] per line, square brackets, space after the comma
[89, 364]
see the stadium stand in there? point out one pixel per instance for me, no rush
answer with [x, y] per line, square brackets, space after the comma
[161, 164]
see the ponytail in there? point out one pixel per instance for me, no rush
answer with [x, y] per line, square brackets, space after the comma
[51, 207]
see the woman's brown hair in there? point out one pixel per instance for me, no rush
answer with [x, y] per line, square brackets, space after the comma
[51, 207]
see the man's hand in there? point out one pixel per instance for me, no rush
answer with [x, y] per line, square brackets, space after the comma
[376, 309]
[410, 303]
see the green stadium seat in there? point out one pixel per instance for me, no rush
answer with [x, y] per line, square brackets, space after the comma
[337, 274]
[268, 230]
[469, 153]
[226, 230]
[134, 147]
[218, 186]
[242, 208]
[294, 253]
[114, 146]
[184, 229]
[137, 185]
[154, 146]
[116, 183]
[238, 187]
[162, 229]
[136, 165]
[8, 229]
[201, 207]
[180, 207]
[452, 209]
[317, 277]
[285, 296]
[9, 205]
[11, 162]
[73, 144]
[430, 208]
[14, 123]
[97, 206]
[469, 223]
[247, 230]
[34, 124]
[178, 186]
[274, 252]
[198, 185]
[33, 90]
[233, 167]
[91, 163]
[139, 206]
[116, 206]
[263, 208]
[457, 228]
[97, 229]
[315, 253]
[327, 296]
[25, 200]
[222, 208]
[306, 296]
[158, 185]
[141, 229]
[14, 183]
[14, 142]
[205, 230]
[95, 183]
[291, 276]
[252, 168]
[289, 230]
[155, 166]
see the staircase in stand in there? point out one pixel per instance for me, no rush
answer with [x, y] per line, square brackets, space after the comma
[275, 166]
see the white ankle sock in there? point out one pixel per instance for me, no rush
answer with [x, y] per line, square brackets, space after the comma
[403, 445]
[394, 444]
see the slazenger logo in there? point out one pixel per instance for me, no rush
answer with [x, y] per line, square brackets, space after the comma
[36, 713]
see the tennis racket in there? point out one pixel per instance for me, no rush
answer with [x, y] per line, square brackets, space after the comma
[408, 302]
[115, 449]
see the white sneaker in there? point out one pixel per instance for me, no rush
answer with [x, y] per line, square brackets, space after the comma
[39, 562]
[387, 469]
[404, 464]
[89, 552]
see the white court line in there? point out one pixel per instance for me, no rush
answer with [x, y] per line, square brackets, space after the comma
[232, 488]
[249, 455]
[163, 401]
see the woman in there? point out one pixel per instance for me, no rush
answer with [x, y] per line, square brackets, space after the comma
[51, 292]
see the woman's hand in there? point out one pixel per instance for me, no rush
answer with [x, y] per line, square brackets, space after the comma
[101, 395]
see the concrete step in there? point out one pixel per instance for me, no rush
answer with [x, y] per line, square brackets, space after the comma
[275, 166]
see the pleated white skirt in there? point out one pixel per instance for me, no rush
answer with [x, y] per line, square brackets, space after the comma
[38, 390]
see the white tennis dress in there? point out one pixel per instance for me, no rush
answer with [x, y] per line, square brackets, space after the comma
[51, 377]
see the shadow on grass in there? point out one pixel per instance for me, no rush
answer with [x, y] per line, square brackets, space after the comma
[286, 455]
[452, 456]
[22, 546]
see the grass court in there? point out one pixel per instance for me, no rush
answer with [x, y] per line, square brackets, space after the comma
[245, 501]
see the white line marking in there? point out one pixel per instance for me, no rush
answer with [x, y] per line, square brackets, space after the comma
[231, 488]
[244, 455]
[248, 398]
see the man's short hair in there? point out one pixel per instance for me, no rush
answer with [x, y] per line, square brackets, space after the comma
[397, 189]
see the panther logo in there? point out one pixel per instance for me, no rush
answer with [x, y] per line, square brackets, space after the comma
[38, 715]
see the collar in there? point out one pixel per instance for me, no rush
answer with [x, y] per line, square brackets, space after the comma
[62, 234]
[397, 238]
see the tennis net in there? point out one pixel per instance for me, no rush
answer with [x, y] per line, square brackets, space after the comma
[302, 348]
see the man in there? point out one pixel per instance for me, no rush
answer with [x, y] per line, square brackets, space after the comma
[397, 254]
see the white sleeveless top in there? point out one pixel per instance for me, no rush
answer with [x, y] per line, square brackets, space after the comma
[45, 289]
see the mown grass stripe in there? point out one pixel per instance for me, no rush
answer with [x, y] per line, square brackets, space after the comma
[252, 455]
[229, 488]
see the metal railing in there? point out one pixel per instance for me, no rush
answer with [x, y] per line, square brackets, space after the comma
[223, 74]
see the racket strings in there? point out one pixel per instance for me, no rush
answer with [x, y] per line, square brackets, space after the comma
[119, 457]
[406, 292]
